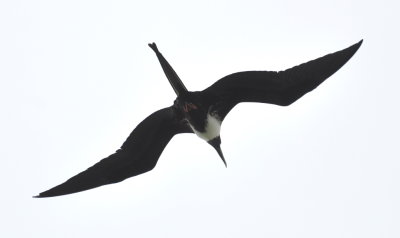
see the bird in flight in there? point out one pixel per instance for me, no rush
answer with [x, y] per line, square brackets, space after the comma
[201, 112]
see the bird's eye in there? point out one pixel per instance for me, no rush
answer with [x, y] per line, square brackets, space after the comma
[189, 106]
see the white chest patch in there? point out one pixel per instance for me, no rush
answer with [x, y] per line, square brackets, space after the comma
[213, 127]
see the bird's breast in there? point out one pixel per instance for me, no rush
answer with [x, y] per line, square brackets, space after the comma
[212, 128]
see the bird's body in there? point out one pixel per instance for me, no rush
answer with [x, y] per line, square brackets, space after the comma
[199, 115]
[212, 128]
[202, 113]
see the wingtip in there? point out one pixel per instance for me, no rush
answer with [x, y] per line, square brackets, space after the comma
[49, 193]
[358, 44]
[41, 195]
[354, 48]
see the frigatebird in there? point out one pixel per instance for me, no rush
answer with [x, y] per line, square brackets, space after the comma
[201, 112]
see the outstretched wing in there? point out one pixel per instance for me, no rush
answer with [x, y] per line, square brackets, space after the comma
[138, 154]
[280, 88]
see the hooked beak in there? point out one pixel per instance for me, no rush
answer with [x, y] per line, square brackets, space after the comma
[216, 143]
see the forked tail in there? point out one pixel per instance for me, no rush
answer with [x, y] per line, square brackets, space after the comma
[173, 78]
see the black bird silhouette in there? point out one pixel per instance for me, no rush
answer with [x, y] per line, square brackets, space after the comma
[201, 112]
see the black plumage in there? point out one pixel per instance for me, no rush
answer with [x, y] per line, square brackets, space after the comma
[201, 112]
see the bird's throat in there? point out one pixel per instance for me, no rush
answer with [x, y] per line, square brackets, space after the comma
[212, 128]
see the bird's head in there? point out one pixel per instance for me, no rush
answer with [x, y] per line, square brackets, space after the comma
[216, 143]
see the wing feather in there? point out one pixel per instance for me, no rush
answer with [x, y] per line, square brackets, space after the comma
[138, 154]
[280, 88]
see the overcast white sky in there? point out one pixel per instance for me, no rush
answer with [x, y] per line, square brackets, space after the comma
[77, 76]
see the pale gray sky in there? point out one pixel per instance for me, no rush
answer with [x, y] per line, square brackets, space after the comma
[77, 76]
